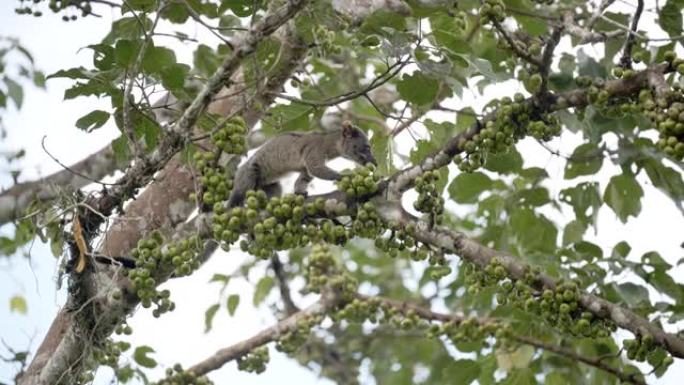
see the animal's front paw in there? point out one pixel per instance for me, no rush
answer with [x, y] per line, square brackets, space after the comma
[302, 193]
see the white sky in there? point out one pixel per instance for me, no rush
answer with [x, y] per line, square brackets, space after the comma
[179, 336]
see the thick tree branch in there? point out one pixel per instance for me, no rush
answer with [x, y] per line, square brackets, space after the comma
[141, 173]
[265, 336]
[163, 205]
[457, 243]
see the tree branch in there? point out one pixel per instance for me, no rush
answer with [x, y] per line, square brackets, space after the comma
[383, 78]
[520, 53]
[457, 243]
[15, 200]
[163, 205]
[586, 36]
[223, 356]
[626, 60]
[405, 308]
[547, 59]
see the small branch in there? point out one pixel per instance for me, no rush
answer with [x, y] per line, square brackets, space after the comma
[406, 123]
[626, 60]
[585, 36]
[383, 78]
[547, 59]
[129, 130]
[596, 362]
[211, 29]
[283, 286]
[520, 53]
[406, 307]
[598, 12]
[223, 356]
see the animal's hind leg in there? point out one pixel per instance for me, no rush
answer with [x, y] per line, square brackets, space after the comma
[273, 189]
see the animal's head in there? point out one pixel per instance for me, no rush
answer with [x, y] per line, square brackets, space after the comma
[355, 146]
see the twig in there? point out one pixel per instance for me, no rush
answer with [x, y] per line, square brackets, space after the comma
[71, 170]
[211, 29]
[522, 54]
[598, 12]
[383, 78]
[129, 131]
[626, 60]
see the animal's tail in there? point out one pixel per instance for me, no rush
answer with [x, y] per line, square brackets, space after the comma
[246, 178]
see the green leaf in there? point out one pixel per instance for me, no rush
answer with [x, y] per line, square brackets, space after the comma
[263, 287]
[92, 120]
[585, 160]
[220, 278]
[121, 150]
[18, 304]
[39, 79]
[287, 117]
[623, 195]
[226, 22]
[467, 187]
[520, 377]
[665, 284]
[232, 303]
[126, 52]
[670, 18]
[15, 92]
[141, 357]
[141, 5]
[505, 163]
[418, 88]
[573, 232]
[205, 60]
[516, 359]
[173, 76]
[72, 73]
[157, 58]
[128, 28]
[585, 201]
[462, 372]
[666, 179]
[381, 149]
[175, 12]
[632, 294]
[103, 58]
[534, 232]
[465, 120]
[209, 316]
[421, 150]
[241, 8]
[536, 196]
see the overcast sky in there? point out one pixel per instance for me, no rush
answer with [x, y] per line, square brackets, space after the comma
[179, 336]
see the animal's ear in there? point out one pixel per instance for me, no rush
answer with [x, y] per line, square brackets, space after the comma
[347, 129]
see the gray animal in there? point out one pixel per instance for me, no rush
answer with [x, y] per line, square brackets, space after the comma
[302, 152]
